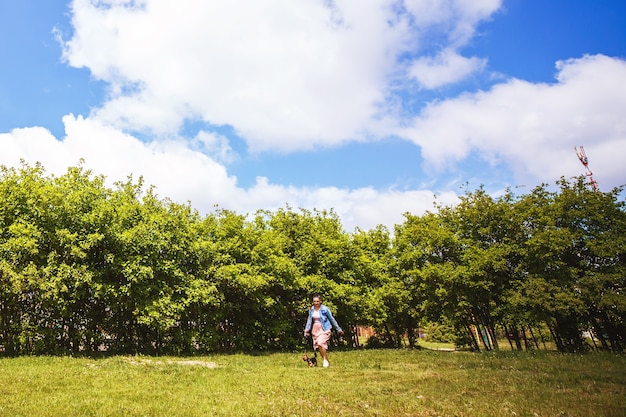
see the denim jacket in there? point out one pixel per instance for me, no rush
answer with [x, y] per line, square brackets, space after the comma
[326, 318]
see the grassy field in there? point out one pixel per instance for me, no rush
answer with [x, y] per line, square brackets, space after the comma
[358, 383]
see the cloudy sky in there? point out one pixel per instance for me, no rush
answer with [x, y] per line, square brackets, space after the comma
[367, 107]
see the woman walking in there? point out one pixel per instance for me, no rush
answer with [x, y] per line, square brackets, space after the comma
[319, 324]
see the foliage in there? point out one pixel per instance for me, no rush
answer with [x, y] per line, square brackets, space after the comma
[88, 268]
[440, 332]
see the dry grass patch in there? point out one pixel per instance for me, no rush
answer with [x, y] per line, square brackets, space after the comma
[149, 361]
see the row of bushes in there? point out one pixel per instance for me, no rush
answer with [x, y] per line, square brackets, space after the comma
[89, 267]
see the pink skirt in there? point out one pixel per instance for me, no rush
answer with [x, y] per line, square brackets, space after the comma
[320, 337]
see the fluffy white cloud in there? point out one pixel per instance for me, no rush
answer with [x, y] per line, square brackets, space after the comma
[217, 146]
[183, 174]
[535, 127]
[285, 75]
[446, 68]
[296, 75]
[532, 127]
[457, 19]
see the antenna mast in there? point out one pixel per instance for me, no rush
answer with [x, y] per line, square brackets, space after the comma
[580, 151]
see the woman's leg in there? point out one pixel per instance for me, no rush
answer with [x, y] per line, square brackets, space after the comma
[320, 339]
[323, 352]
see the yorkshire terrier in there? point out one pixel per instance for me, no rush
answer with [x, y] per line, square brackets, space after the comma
[312, 361]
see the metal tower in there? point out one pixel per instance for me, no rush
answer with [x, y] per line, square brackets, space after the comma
[580, 151]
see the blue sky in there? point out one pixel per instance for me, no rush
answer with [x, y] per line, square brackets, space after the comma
[368, 108]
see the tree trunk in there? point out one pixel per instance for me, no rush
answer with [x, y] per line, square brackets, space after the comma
[355, 336]
[527, 345]
[518, 342]
[557, 339]
[475, 346]
[509, 335]
[530, 329]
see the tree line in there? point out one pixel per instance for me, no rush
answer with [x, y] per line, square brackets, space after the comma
[86, 267]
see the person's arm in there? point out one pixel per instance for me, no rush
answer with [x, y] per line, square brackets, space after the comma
[333, 321]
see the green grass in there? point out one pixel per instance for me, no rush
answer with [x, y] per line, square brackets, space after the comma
[359, 383]
[436, 345]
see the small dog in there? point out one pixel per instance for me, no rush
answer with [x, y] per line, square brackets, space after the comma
[312, 361]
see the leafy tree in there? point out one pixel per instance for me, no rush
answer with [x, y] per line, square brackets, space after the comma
[427, 252]
[86, 267]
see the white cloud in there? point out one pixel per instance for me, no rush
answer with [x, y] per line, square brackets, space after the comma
[534, 127]
[363, 207]
[295, 75]
[216, 146]
[182, 174]
[456, 19]
[284, 75]
[176, 170]
[446, 68]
